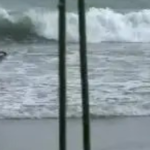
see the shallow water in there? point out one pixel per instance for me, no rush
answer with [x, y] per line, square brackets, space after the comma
[106, 134]
[118, 77]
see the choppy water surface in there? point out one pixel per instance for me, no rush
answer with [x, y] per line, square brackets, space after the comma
[118, 76]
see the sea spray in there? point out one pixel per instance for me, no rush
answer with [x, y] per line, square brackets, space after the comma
[103, 25]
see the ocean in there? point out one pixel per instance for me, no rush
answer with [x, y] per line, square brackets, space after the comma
[118, 42]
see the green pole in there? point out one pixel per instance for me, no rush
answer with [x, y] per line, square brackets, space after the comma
[62, 74]
[84, 75]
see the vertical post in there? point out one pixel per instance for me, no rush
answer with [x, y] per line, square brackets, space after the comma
[84, 75]
[62, 74]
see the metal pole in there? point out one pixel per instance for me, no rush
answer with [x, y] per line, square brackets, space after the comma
[84, 75]
[62, 74]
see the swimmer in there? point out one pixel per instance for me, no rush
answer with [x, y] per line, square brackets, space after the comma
[2, 55]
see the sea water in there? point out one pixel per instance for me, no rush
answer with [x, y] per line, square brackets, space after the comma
[118, 36]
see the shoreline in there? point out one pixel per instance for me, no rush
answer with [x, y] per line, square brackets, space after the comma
[76, 118]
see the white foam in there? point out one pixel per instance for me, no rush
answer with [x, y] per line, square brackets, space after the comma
[102, 25]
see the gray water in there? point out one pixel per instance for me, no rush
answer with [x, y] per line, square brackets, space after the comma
[72, 4]
[118, 59]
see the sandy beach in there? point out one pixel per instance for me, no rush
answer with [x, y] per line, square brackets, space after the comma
[106, 134]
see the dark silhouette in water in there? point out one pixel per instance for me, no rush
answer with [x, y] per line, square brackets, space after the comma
[2, 55]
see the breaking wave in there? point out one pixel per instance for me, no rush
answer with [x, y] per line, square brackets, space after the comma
[102, 25]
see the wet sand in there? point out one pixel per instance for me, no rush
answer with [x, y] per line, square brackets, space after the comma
[106, 134]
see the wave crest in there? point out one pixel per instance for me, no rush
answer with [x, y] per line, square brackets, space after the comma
[102, 25]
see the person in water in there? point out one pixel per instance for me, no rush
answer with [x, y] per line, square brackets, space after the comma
[2, 55]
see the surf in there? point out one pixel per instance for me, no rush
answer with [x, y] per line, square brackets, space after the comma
[103, 25]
